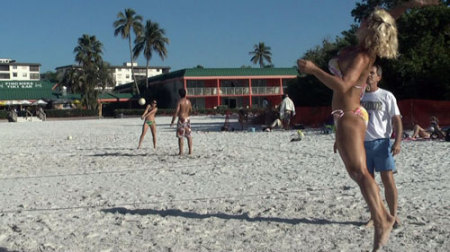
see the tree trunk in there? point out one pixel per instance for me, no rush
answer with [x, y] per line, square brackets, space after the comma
[132, 70]
[146, 74]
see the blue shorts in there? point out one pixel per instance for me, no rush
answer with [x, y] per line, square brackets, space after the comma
[379, 156]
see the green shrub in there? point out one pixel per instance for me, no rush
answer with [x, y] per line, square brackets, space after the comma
[3, 114]
[70, 112]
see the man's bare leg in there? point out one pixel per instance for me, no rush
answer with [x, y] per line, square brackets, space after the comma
[391, 194]
[190, 144]
[180, 146]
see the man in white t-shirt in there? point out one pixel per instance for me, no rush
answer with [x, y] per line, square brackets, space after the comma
[384, 116]
[287, 111]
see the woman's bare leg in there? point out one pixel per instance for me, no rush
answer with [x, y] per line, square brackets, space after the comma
[350, 142]
[153, 130]
[144, 131]
[419, 131]
[189, 139]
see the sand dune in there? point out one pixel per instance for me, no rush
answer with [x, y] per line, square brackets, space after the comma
[239, 191]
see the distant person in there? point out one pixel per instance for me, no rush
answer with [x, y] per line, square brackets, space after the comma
[28, 113]
[243, 117]
[384, 117]
[287, 111]
[12, 115]
[184, 108]
[433, 131]
[41, 114]
[149, 122]
[266, 111]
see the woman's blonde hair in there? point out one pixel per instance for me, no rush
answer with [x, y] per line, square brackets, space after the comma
[381, 38]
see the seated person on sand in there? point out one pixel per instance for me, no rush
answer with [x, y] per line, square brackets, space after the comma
[433, 131]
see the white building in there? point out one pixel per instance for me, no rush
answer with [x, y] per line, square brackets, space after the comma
[12, 70]
[122, 74]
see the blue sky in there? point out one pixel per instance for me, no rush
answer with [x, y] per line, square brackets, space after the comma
[212, 33]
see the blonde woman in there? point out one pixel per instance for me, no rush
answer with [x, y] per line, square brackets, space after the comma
[377, 37]
[149, 122]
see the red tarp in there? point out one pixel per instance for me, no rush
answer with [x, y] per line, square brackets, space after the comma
[413, 112]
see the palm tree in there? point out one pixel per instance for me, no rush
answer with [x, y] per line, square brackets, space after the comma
[152, 39]
[92, 72]
[260, 53]
[127, 21]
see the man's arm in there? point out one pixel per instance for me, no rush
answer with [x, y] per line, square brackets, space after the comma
[175, 114]
[398, 129]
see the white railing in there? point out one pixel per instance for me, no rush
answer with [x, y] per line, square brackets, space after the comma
[265, 90]
[202, 91]
[233, 91]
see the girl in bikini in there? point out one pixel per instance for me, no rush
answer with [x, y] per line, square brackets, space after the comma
[149, 122]
[377, 37]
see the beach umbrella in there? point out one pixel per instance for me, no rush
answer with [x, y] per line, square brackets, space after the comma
[24, 102]
[39, 102]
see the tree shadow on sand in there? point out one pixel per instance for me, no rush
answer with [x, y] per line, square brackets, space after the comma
[244, 216]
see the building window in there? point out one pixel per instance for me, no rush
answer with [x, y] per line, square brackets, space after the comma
[4, 67]
[34, 68]
[128, 76]
[14, 74]
[24, 75]
[4, 76]
[14, 67]
[34, 76]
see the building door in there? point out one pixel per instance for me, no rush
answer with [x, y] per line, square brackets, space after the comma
[230, 102]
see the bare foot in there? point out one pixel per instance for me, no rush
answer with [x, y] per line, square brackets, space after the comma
[396, 223]
[382, 232]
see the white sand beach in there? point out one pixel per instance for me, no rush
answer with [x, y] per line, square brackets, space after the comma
[239, 191]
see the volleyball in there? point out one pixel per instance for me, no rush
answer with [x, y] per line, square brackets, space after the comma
[141, 101]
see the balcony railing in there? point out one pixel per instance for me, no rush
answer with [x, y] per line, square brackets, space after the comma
[202, 91]
[265, 90]
[233, 91]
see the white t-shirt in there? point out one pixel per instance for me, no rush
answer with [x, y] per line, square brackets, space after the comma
[381, 106]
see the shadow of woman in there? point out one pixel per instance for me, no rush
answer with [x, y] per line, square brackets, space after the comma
[244, 216]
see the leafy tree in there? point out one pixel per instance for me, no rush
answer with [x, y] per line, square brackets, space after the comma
[261, 53]
[126, 22]
[152, 39]
[421, 71]
[364, 8]
[50, 76]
